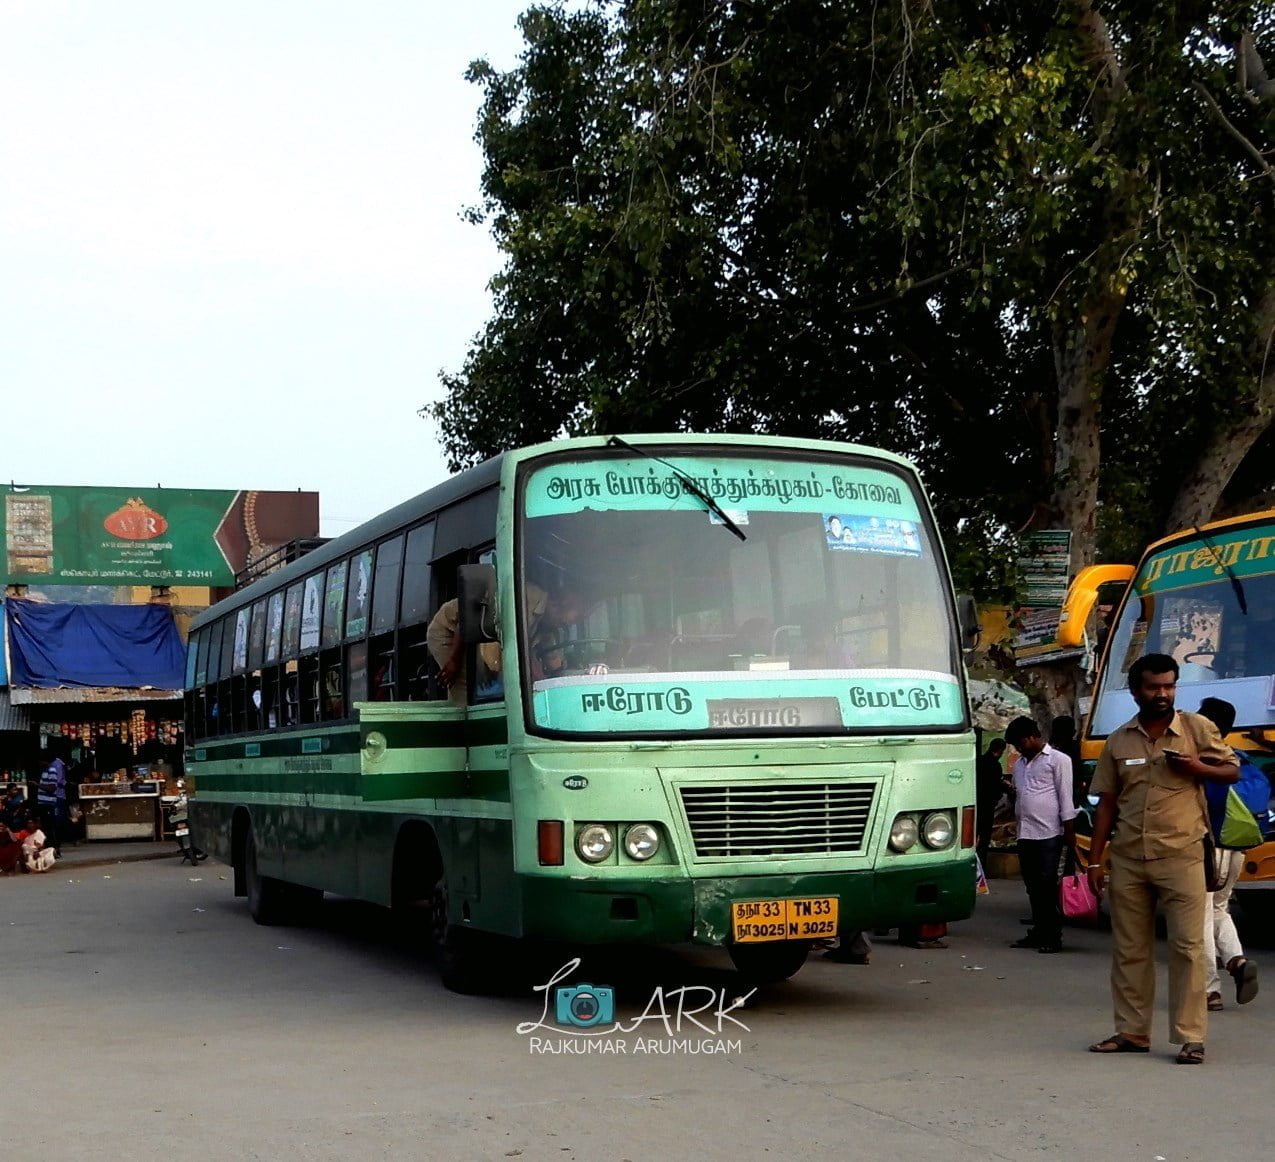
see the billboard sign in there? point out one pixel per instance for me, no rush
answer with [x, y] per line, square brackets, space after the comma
[145, 536]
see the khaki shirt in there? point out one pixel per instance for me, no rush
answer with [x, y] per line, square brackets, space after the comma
[444, 627]
[1161, 813]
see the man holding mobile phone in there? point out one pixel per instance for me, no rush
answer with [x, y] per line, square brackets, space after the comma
[1152, 809]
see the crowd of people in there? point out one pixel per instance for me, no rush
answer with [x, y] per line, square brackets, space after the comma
[1154, 847]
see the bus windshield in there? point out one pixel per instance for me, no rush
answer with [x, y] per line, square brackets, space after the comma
[644, 612]
[1210, 604]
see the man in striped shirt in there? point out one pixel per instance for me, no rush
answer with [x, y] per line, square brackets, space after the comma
[1045, 811]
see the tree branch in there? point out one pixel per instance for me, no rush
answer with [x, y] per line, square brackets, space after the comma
[1252, 80]
[920, 284]
[1256, 154]
[1101, 51]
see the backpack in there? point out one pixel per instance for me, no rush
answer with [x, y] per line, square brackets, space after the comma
[1235, 808]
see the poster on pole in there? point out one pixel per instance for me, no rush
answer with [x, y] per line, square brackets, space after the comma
[1044, 564]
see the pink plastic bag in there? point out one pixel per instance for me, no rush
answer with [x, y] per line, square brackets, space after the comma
[1077, 899]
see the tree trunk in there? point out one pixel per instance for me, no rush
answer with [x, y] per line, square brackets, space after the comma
[1082, 349]
[1200, 495]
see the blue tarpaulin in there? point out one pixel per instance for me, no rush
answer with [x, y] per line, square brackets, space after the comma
[4, 679]
[94, 645]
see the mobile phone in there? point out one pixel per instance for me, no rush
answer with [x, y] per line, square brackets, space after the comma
[1173, 754]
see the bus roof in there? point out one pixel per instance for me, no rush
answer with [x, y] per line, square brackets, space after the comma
[486, 475]
[1193, 533]
[455, 488]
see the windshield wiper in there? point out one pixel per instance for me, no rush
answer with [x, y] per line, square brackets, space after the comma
[688, 482]
[1230, 573]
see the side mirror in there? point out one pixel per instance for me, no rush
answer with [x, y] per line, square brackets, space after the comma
[1082, 596]
[967, 618]
[477, 603]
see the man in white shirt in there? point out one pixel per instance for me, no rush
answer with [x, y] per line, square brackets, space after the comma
[1045, 811]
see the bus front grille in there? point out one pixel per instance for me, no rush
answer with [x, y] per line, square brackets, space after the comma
[752, 819]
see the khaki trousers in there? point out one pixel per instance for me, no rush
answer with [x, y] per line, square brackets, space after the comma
[1176, 883]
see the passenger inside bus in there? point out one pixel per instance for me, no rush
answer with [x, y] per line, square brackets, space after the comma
[548, 614]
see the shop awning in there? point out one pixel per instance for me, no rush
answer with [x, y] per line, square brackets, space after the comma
[12, 718]
[118, 647]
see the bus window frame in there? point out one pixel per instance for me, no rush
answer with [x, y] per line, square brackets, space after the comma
[904, 473]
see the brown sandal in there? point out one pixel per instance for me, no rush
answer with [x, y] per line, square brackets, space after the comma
[1192, 1053]
[1118, 1043]
[1215, 1002]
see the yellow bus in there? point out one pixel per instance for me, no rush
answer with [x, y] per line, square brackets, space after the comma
[1205, 596]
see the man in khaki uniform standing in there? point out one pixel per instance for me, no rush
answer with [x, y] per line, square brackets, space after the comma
[1148, 782]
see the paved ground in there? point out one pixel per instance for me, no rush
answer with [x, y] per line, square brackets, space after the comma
[152, 1019]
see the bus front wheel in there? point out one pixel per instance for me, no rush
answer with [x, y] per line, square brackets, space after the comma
[769, 963]
[463, 959]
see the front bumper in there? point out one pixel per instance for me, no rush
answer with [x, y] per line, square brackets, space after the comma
[672, 911]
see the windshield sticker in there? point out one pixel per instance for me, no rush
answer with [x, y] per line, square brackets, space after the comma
[845, 532]
[734, 483]
[1249, 555]
[744, 700]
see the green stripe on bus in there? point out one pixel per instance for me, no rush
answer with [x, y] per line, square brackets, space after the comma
[458, 732]
[490, 784]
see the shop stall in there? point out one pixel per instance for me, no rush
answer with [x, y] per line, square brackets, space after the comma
[124, 764]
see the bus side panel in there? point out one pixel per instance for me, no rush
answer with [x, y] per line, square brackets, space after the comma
[499, 910]
[375, 864]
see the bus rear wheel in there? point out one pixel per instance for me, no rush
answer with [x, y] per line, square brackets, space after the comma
[267, 898]
[769, 963]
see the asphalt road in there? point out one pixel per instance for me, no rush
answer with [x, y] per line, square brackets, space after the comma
[150, 1018]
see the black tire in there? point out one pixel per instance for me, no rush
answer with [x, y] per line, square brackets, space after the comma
[769, 963]
[463, 956]
[267, 898]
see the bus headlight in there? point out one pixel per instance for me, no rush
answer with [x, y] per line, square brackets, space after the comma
[903, 834]
[938, 830]
[595, 842]
[641, 841]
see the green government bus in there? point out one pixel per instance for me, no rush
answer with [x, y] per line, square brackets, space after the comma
[704, 689]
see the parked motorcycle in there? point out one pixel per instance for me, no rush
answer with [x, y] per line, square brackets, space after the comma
[179, 817]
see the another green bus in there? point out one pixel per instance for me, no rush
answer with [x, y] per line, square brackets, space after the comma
[713, 692]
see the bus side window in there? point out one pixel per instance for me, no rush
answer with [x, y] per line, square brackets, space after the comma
[225, 691]
[269, 690]
[415, 664]
[383, 648]
[356, 673]
[311, 692]
[331, 664]
[291, 694]
[488, 686]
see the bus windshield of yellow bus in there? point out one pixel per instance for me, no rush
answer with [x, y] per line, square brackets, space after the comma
[1209, 602]
[815, 601]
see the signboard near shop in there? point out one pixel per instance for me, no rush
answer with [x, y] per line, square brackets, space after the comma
[56, 535]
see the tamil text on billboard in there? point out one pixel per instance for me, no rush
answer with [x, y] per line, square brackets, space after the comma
[160, 536]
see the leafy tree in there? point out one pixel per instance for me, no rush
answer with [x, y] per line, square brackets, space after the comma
[1029, 246]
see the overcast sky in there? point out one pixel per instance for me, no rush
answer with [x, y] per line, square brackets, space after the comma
[230, 247]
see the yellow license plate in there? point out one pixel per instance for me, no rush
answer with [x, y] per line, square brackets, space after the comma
[807, 918]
